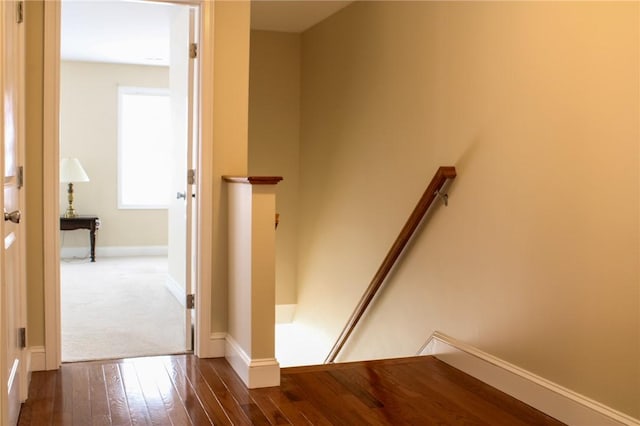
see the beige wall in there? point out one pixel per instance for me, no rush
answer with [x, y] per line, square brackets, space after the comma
[89, 131]
[536, 258]
[274, 134]
[229, 121]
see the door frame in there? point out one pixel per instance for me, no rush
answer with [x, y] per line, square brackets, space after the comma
[204, 183]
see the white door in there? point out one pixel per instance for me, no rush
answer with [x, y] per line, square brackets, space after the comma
[12, 262]
[181, 209]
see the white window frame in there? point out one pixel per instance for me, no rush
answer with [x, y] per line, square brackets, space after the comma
[129, 90]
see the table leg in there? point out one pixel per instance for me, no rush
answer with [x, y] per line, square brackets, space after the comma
[92, 236]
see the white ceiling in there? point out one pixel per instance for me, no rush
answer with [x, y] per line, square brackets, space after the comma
[115, 31]
[292, 16]
[137, 32]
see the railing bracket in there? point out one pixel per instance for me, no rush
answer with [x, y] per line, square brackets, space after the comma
[444, 196]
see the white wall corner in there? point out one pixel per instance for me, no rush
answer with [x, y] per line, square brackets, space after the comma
[285, 313]
[550, 398]
[256, 373]
[36, 359]
[177, 290]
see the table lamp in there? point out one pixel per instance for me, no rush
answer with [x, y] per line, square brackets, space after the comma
[71, 171]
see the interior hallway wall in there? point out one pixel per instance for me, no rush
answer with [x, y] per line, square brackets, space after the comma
[536, 258]
[274, 137]
[230, 137]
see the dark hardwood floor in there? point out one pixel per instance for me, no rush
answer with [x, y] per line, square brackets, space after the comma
[185, 390]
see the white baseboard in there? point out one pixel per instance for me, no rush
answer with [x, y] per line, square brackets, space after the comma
[558, 402]
[36, 359]
[214, 347]
[255, 373]
[285, 313]
[177, 290]
[113, 251]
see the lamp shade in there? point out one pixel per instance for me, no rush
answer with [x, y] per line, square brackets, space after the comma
[71, 171]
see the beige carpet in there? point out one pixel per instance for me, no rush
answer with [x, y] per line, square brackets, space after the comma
[118, 307]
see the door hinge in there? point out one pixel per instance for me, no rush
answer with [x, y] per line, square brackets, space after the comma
[20, 177]
[191, 176]
[20, 12]
[193, 50]
[22, 337]
[191, 301]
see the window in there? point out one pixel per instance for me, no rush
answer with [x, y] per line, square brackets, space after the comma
[144, 148]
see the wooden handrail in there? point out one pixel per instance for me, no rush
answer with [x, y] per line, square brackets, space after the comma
[438, 181]
[253, 180]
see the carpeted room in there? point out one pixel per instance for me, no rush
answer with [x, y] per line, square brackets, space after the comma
[118, 307]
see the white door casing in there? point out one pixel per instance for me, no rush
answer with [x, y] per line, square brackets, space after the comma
[204, 206]
[12, 262]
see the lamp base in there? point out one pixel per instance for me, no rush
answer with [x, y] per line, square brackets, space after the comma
[71, 212]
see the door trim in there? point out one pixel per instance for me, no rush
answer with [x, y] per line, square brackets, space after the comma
[51, 188]
[204, 187]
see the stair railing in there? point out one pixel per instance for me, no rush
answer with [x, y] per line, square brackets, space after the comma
[430, 194]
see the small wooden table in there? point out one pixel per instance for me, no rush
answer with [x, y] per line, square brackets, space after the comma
[82, 222]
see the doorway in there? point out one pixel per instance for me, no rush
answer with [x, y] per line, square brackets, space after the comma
[144, 247]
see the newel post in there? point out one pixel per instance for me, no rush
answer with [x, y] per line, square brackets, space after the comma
[250, 341]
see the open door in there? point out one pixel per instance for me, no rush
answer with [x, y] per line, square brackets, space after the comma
[181, 220]
[12, 309]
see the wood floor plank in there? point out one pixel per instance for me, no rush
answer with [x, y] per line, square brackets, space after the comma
[312, 414]
[211, 399]
[436, 405]
[63, 402]
[44, 384]
[346, 380]
[81, 396]
[100, 413]
[287, 407]
[473, 401]
[118, 405]
[138, 410]
[399, 401]
[404, 400]
[291, 390]
[173, 405]
[184, 390]
[375, 409]
[360, 404]
[146, 370]
[321, 391]
[380, 385]
[196, 412]
[234, 395]
[270, 410]
[525, 414]
[364, 402]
